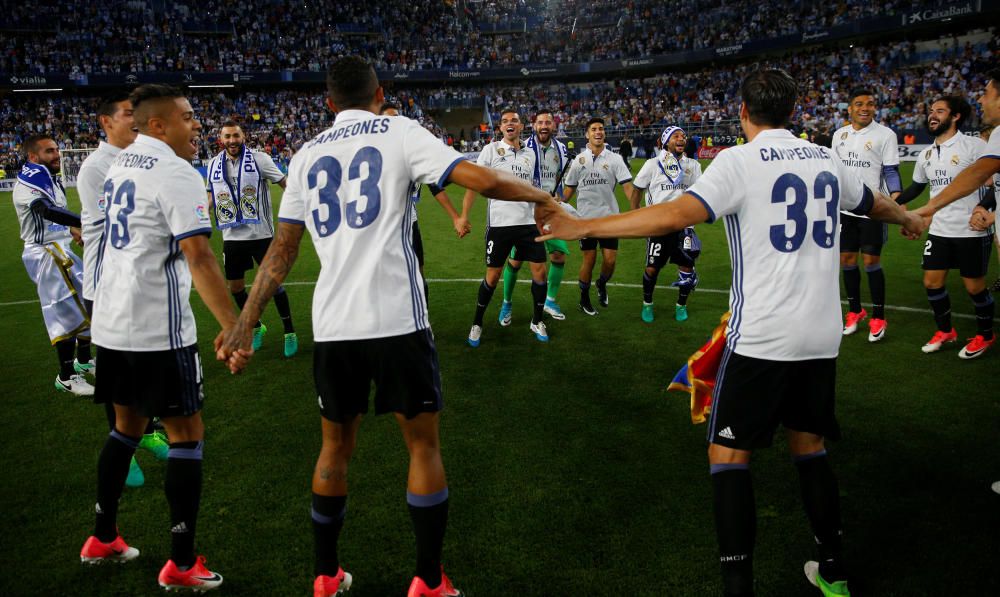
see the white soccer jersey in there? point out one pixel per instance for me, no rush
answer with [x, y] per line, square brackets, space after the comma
[866, 151]
[595, 178]
[992, 150]
[500, 155]
[351, 187]
[938, 165]
[781, 197]
[90, 186]
[666, 181]
[549, 166]
[155, 200]
[269, 171]
[34, 228]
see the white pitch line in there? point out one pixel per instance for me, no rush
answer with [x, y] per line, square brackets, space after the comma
[570, 283]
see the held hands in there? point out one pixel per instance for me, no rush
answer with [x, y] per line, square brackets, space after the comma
[77, 236]
[913, 225]
[462, 226]
[554, 222]
[981, 218]
[233, 346]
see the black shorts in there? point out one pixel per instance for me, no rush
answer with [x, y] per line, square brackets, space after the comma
[862, 235]
[752, 396]
[590, 244]
[677, 248]
[404, 369]
[238, 256]
[163, 383]
[501, 239]
[970, 255]
[418, 244]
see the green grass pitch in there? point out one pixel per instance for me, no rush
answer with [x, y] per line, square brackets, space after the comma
[572, 471]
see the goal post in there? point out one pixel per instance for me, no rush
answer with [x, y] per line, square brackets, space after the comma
[70, 161]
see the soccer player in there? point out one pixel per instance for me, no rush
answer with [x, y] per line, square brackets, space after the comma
[509, 226]
[869, 149]
[665, 178]
[114, 115]
[238, 188]
[47, 228]
[986, 211]
[593, 176]
[780, 197]
[349, 188]
[551, 156]
[390, 109]
[155, 246]
[951, 242]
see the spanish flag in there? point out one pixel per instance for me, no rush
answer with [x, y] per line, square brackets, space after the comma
[697, 377]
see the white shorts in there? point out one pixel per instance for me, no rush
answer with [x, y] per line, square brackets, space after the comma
[58, 275]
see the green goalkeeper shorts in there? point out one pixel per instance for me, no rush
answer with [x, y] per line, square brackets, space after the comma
[555, 245]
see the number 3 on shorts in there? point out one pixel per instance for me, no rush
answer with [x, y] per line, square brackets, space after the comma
[489, 248]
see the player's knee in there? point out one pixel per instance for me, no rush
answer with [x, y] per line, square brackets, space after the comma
[871, 260]
[718, 454]
[185, 429]
[848, 259]
[557, 257]
[801, 443]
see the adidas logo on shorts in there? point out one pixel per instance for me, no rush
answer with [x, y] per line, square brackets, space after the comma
[727, 433]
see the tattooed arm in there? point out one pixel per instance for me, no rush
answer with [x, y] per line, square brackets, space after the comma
[284, 249]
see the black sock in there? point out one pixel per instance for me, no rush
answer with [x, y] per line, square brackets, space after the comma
[483, 301]
[284, 310]
[112, 469]
[183, 489]
[328, 514]
[735, 526]
[602, 280]
[65, 350]
[429, 514]
[648, 285]
[585, 294]
[852, 286]
[941, 304]
[984, 313]
[538, 292]
[241, 298]
[241, 301]
[83, 350]
[821, 498]
[876, 284]
[683, 292]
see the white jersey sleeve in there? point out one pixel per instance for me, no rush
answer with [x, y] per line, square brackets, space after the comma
[919, 169]
[93, 203]
[573, 175]
[184, 205]
[645, 175]
[431, 161]
[293, 203]
[622, 173]
[721, 188]
[267, 168]
[890, 150]
[993, 145]
[853, 191]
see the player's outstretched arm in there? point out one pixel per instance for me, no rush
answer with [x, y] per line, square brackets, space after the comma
[493, 184]
[887, 210]
[462, 227]
[207, 278]
[272, 272]
[967, 182]
[655, 220]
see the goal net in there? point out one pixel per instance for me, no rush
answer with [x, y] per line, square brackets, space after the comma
[70, 161]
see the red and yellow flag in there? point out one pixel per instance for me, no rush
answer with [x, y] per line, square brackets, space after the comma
[697, 377]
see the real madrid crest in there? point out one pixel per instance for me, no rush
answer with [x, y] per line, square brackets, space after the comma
[868, 146]
[583, 160]
[927, 155]
[500, 151]
[843, 135]
[954, 160]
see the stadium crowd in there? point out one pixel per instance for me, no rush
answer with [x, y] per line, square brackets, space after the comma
[264, 35]
[280, 121]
